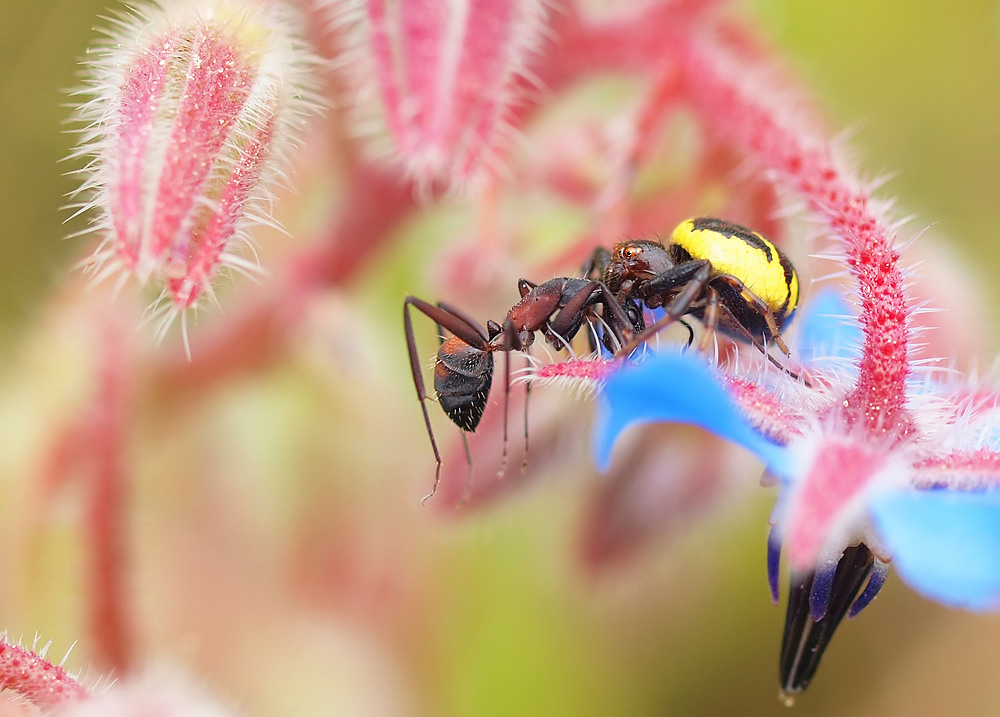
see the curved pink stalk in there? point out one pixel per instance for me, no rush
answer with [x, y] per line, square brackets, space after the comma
[754, 119]
[107, 424]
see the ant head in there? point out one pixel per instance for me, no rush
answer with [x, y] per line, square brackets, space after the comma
[507, 337]
[462, 379]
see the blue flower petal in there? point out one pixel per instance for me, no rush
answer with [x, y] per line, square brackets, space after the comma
[676, 388]
[880, 571]
[945, 544]
[826, 334]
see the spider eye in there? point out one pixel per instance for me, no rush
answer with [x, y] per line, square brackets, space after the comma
[632, 252]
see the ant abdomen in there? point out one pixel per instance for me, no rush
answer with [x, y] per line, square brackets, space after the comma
[462, 379]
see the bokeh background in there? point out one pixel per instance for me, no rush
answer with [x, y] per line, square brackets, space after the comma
[279, 552]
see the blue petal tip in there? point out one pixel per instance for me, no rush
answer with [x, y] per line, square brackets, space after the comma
[945, 544]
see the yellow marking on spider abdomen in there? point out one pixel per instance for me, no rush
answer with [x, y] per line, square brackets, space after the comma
[745, 254]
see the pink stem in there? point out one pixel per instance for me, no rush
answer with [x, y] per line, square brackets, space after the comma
[751, 117]
[107, 513]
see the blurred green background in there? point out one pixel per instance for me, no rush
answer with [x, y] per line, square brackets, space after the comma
[523, 632]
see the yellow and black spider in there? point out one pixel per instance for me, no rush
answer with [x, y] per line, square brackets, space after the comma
[730, 277]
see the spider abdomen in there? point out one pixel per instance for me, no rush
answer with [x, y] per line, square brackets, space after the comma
[743, 254]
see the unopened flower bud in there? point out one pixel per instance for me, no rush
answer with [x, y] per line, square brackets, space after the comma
[448, 74]
[191, 107]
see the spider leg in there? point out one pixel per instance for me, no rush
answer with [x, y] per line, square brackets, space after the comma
[690, 329]
[755, 340]
[667, 283]
[762, 308]
[598, 262]
[698, 276]
[710, 318]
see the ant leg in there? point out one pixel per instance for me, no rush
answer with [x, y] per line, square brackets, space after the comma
[467, 490]
[573, 311]
[617, 312]
[418, 382]
[458, 325]
[510, 335]
[463, 317]
[527, 394]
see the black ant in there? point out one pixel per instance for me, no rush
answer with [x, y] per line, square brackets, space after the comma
[730, 277]
[463, 373]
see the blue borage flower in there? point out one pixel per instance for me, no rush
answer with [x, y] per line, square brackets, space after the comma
[847, 505]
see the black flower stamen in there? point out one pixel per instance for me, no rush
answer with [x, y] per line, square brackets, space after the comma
[817, 602]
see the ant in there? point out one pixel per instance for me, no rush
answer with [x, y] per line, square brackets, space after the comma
[463, 372]
[728, 276]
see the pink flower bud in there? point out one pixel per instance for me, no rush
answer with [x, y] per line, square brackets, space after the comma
[191, 107]
[447, 72]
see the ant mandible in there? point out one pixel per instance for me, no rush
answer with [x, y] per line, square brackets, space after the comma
[463, 372]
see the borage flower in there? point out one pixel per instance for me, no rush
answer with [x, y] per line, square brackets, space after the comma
[876, 461]
[918, 494]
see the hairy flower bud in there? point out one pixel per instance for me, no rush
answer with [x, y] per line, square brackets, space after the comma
[191, 105]
[447, 73]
